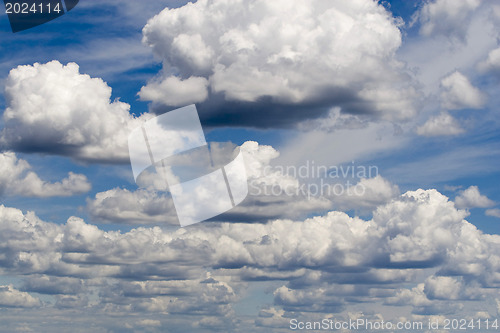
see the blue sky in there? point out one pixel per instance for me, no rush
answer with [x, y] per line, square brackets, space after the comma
[407, 86]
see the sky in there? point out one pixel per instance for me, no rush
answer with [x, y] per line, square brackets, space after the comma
[370, 138]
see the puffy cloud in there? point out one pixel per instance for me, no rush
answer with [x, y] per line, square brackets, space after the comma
[177, 92]
[274, 192]
[325, 262]
[52, 108]
[417, 298]
[149, 322]
[53, 285]
[471, 198]
[71, 301]
[493, 212]
[271, 194]
[450, 288]
[11, 297]
[137, 207]
[274, 64]
[441, 125]
[492, 63]
[368, 193]
[17, 179]
[459, 93]
[446, 17]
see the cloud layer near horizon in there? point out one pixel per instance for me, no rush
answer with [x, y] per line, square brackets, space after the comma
[419, 237]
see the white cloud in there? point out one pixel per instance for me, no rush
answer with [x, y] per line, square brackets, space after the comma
[415, 297]
[446, 17]
[268, 194]
[11, 297]
[149, 322]
[471, 198]
[459, 93]
[16, 178]
[493, 212]
[368, 193]
[443, 287]
[325, 262]
[52, 108]
[137, 207]
[53, 285]
[284, 52]
[492, 63]
[441, 125]
[176, 92]
[274, 192]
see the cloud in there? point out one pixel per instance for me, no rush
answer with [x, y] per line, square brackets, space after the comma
[274, 64]
[137, 207]
[449, 288]
[275, 191]
[367, 194]
[442, 125]
[325, 263]
[471, 198]
[17, 179]
[446, 17]
[459, 93]
[53, 285]
[493, 212]
[52, 108]
[149, 322]
[177, 92]
[492, 63]
[272, 194]
[11, 297]
[417, 298]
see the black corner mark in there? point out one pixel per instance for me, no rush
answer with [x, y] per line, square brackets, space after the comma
[26, 14]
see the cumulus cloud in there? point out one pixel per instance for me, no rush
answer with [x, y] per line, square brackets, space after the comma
[132, 207]
[53, 285]
[11, 297]
[446, 17]
[174, 91]
[271, 194]
[367, 194]
[52, 108]
[274, 191]
[472, 198]
[449, 288]
[417, 298]
[442, 125]
[459, 93]
[16, 178]
[273, 64]
[325, 262]
[493, 212]
[492, 62]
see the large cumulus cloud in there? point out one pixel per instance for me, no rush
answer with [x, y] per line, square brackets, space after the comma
[273, 63]
[52, 108]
